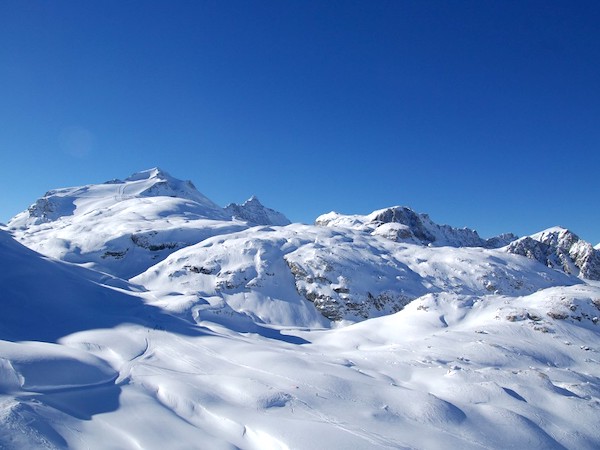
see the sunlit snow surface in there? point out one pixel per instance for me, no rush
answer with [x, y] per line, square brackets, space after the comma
[213, 345]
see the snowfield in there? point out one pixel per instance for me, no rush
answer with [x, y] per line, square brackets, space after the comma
[139, 314]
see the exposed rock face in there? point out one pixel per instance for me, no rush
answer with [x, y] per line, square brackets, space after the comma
[402, 224]
[49, 208]
[298, 274]
[561, 249]
[416, 223]
[333, 297]
[253, 211]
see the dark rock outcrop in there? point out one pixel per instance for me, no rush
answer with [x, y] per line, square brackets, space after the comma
[560, 249]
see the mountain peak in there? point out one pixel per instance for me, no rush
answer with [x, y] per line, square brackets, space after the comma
[557, 237]
[560, 248]
[253, 201]
[154, 173]
[554, 230]
[254, 212]
[151, 183]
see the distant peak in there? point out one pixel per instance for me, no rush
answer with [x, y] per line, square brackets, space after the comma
[253, 201]
[560, 248]
[554, 233]
[253, 211]
[556, 229]
[389, 214]
[155, 172]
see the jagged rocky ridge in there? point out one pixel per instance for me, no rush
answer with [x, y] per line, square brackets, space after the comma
[402, 224]
[561, 249]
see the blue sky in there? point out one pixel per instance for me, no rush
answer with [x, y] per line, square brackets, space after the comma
[483, 114]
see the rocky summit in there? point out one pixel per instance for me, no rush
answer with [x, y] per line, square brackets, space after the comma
[561, 249]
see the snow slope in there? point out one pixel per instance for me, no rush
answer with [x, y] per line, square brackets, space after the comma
[282, 337]
[60, 203]
[45, 299]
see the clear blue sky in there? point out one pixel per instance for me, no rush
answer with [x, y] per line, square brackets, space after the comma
[483, 114]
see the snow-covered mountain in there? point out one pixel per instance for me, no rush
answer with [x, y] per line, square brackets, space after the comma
[271, 273]
[149, 185]
[123, 227]
[345, 267]
[402, 224]
[559, 248]
[253, 211]
[221, 328]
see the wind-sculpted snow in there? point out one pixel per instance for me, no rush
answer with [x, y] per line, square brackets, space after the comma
[45, 367]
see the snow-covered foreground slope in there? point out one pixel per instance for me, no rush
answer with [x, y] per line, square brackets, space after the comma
[109, 370]
[44, 299]
[350, 334]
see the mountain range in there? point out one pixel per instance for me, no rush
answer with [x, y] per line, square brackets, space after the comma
[139, 312]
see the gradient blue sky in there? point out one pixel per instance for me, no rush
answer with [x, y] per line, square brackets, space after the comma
[483, 114]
